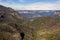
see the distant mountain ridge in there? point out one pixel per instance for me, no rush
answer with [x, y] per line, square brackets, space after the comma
[38, 13]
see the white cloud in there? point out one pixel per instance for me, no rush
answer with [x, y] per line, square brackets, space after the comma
[33, 6]
[38, 6]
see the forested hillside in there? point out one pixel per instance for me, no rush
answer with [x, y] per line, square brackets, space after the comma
[47, 28]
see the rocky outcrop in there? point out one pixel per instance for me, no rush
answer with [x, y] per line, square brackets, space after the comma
[11, 24]
[9, 14]
[7, 17]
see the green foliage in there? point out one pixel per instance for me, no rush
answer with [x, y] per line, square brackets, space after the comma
[49, 36]
[1, 19]
[53, 36]
[34, 36]
[49, 24]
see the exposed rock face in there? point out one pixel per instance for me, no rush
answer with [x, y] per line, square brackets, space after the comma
[29, 32]
[10, 24]
[7, 17]
[9, 14]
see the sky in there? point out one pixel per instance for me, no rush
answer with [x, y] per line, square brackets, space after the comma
[32, 4]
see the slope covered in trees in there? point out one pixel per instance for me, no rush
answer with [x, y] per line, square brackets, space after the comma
[47, 28]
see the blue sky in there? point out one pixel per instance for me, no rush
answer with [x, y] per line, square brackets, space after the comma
[32, 4]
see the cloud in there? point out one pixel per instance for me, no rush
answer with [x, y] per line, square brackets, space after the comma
[33, 6]
[38, 6]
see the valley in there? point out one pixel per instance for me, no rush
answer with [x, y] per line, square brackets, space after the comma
[33, 24]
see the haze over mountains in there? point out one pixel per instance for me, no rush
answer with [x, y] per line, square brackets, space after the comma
[38, 13]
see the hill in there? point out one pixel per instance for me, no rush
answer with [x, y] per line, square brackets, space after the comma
[40, 28]
[8, 14]
[27, 14]
[9, 20]
[47, 28]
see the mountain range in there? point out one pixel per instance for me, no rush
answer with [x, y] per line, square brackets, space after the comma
[38, 13]
[42, 24]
